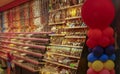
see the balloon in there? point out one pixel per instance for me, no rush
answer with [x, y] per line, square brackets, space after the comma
[110, 50]
[95, 34]
[112, 71]
[91, 71]
[108, 32]
[112, 40]
[103, 58]
[89, 64]
[98, 51]
[109, 65]
[91, 43]
[98, 13]
[89, 33]
[91, 57]
[112, 57]
[97, 66]
[104, 71]
[104, 41]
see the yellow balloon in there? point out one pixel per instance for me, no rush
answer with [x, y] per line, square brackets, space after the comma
[109, 65]
[97, 65]
[89, 64]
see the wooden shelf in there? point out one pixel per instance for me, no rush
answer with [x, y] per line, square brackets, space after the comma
[76, 27]
[25, 67]
[23, 51]
[26, 33]
[20, 64]
[63, 8]
[56, 34]
[75, 57]
[3, 57]
[59, 64]
[23, 38]
[27, 59]
[30, 45]
[58, 23]
[5, 52]
[66, 46]
[80, 37]
[71, 18]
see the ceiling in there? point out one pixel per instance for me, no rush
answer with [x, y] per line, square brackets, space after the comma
[8, 4]
[4, 2]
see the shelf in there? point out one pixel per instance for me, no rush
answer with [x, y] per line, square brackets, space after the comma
[3, 57]
[25, 67]
[26, 33]
[76, 27]
[71, 18]
[27, 59]
[23, 38]
[30, 45]
[80, 37]
[56, 34]
[66, 46]
[23, 51]
[5, 52]
[63, 8]
[59, 64]
[58, 23]
[19, 64]
[75, 57]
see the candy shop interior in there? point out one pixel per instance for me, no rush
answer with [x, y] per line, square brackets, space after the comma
[57, 37]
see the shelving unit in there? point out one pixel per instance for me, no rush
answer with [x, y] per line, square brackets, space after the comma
[58, 23]
[81, 37]
[66, 46]
[59, 64]
[71, 18]
[56, 34]
[24, 50]
[68, 38]
[25, 67]
[75, 57]
[23, 38]
[58, 50]
[67, 7]
[76, 27]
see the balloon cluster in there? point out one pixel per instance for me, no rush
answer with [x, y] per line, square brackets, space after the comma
[98, 15]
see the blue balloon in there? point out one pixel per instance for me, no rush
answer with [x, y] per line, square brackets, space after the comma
[104, 58]
[91, 57]
[98, 51]
[112, 57]
[110, 50]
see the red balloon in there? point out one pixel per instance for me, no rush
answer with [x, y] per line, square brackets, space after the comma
[91, 71]
[98, 13]
[95, 34]
[104, 41]
[109, 32]
[91, 43]
[104, 71]
[112, 71]
[89, 33]
[112, 40]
